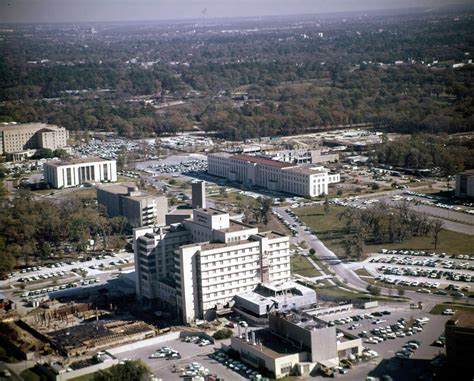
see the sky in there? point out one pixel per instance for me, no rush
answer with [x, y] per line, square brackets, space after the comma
[134, 10]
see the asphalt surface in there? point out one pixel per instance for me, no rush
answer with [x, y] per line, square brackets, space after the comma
[189, 352]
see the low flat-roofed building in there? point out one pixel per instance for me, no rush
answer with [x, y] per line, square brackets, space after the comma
[74, 172]
[459, 331]
[465, 184]
[275, 297]
[295, 343]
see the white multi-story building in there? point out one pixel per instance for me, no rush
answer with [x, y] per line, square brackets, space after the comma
[201, 264]
[272, 174]
[71, 173]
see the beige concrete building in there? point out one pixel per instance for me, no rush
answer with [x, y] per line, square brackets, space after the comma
[465, 184]
[271, 174]
[295, 344]
[74, 172]
[21, 137]
[140, 208]
[199, 265]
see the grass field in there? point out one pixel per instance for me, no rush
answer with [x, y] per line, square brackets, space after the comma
[439, 308]
[302, 266]
[331, 231]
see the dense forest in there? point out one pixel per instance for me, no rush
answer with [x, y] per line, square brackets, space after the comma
[290, 74]
[448, 154]
[33, 230]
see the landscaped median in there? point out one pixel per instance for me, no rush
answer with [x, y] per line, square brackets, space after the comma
[302, 266]
[457, 307]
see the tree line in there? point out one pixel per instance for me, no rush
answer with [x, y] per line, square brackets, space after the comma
[383, 224]
[449, 154]
[34, 230]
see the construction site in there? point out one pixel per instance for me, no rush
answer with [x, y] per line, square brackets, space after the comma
[74, 329]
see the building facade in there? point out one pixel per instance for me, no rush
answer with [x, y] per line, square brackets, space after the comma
[465, 184]
[21, 137]
[198, 197]
[140, 208]
[203, 262]
[71, 173]
[271, 174]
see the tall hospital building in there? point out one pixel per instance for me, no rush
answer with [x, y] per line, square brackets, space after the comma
[199, 265]
[272, 174]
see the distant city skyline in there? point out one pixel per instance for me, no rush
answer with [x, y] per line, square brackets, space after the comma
[136, 10]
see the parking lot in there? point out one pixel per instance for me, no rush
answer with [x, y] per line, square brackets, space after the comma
[425, 272]
[37, 282]
[190, 353]
[387, 348]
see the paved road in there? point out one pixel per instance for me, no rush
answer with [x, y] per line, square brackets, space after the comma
[322, 252]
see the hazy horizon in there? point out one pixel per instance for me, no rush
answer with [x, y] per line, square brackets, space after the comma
[22, 11]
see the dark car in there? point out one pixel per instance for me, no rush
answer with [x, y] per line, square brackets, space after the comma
[386, 377]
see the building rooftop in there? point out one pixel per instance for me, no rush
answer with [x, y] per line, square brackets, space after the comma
[263, 161]
[27, 126]
[218, 245]
[276, 292]
[117, 188]
[287, 285]
[211, 211]
[469, 172]
[464, 320]
[85, 160]
[236, 226]
[271, 234]
[307, 170]
[303, 320]
[271, 345]
[181, 212]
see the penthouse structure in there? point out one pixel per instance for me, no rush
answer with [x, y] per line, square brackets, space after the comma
[272, 174]
[140, 208]
[71, 173]
[296, 343]
[200, 264]
[20, 137]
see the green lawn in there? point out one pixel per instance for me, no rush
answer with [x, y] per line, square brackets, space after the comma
[302, 266]
[439, 308]
[331, 231]
[363, 272]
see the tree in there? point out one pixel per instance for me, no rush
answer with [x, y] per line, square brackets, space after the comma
[436, 228]
[374, 290]
[263, 209]
[224, 333]
[44, 251]
[128, 371]
[312, 251]
[327, 209]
